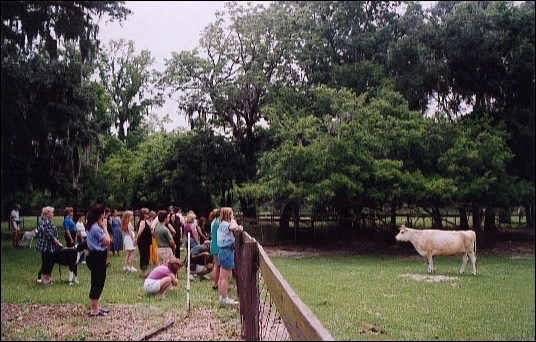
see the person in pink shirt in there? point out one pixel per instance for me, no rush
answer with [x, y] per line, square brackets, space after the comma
[162, 277]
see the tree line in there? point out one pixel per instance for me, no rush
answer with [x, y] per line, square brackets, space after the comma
[334, 105]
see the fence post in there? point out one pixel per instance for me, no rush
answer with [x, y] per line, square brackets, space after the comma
[247, 284]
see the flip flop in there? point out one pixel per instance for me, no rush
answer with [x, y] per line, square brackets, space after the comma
[103, 314]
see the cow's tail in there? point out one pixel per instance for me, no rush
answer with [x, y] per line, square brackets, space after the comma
[474, 245]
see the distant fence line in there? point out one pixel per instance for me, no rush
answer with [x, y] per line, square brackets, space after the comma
[265, 226]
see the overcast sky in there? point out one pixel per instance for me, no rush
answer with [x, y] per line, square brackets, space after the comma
[163, 26]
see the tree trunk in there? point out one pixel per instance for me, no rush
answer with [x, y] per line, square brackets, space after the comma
[393, 217]
[464, 222]
[436, 218]
[248, 208]
[284, 220]
[529, 214]
[476, 212]
[489, 221]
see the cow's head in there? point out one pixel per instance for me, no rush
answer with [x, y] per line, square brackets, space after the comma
[401, 236]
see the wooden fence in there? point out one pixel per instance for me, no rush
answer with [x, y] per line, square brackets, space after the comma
[253, 267]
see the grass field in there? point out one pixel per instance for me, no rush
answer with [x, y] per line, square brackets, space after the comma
[356, 297]
[389, 298]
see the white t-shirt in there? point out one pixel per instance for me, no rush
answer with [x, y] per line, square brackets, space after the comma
[81, 229]
[15, 217]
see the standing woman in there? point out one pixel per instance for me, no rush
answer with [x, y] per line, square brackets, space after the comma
[226, 241]
[201, 231]
[48, 244]
[127, 230]
[214, 219]
[69, 226]
[190, 228]
[98, 242]
[117, 236]
[144, 239]
[153, 249]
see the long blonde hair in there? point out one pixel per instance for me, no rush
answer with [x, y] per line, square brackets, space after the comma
[125, 220]
[225, 214]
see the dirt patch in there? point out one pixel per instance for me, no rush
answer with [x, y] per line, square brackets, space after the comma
[371, 329]
[67, 322]
[290, 251]
[429, 278]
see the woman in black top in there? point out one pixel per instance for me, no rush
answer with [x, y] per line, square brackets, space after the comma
[144, 240]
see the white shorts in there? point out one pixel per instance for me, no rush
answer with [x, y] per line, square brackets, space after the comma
[151, 286]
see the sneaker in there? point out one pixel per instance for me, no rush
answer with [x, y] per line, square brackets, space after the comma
[126, 268]
[83, 262]
[39, 281]
[132, 269]
[228, 300]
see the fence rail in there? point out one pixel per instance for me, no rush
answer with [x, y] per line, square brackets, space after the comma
[261, 319]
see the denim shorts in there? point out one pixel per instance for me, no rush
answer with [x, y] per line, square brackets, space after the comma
[151, 286]
[226, 256]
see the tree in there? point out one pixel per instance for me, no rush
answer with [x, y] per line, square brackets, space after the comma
[229, 84]
[47, 103]
[129, 82]
[51, 22]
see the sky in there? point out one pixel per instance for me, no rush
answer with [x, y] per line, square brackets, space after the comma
[163, 27]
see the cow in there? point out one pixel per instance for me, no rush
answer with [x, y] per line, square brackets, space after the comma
[66, 257]
[430, 242]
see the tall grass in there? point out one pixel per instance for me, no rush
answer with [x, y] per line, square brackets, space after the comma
[375, 298]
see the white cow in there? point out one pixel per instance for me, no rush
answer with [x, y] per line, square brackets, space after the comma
[430, 242]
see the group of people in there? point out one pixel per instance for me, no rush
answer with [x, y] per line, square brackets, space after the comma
[211, 252]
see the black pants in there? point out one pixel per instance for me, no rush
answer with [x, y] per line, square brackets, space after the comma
[96, 262]
[177, 240]
[47, 264]
[144, 256]
[67, 241]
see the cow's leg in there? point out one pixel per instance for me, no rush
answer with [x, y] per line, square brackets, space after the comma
[473, 261]
[464, 262]
[430, 263]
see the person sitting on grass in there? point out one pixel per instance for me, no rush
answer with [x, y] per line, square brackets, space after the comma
[201, 262]
[162, 277]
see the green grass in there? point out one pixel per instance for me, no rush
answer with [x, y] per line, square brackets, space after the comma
[369, 298]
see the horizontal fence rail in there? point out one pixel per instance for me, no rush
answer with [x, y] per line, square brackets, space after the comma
[258, 278]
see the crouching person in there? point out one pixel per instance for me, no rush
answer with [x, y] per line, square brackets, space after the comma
[162, 277]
